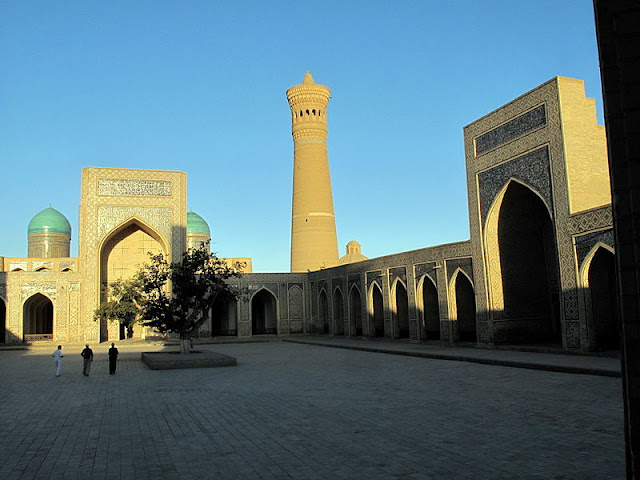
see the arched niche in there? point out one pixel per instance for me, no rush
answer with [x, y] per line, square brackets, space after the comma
[429, 308]
[400, 312]
[355, 310]
[376, 310]
[599, 283]
[463, 306]
[323, 311]
[264, 313]
[127, 248]
[224, 317]
[338, 312]
[122, 253]
[37, 318]
[522, 267]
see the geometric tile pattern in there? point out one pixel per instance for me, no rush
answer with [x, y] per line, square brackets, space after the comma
[511, 130]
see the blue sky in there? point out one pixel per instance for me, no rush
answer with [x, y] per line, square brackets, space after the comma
[199, 86]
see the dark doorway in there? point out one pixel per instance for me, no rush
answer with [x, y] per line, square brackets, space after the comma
[401, 314]
[263, 313]
[377, 315]
[430, 310]
[224, 317]
[38, 318]
[602, 287]
[338, 312]
[355, 310]
[323, 305]
[528, 260]
[466, 308]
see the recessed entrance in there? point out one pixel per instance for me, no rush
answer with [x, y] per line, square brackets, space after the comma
[355, 310]
[224, 314]
[602, 289]
[37, 314]
[430, 310]
[338, 312]
[401, 312]
[377, 311]
[263, 313]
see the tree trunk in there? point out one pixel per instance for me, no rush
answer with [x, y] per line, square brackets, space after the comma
[185, 344]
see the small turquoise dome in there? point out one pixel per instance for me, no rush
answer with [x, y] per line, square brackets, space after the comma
[49, 220]
[197, 225]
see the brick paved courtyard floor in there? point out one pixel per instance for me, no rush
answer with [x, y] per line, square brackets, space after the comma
[304, 412]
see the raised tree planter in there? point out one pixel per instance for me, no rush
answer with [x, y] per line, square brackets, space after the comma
[173, 360]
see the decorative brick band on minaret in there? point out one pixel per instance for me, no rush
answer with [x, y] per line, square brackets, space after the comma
[314, 243]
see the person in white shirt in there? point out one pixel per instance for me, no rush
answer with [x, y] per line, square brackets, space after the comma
[57, 357]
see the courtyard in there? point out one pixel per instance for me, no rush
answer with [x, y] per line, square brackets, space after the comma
[304, 412]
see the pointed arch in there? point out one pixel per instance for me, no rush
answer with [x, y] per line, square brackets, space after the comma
[400, 309]
[224, 317]
[122, 252]
[462, 305]
[597, 274]
[429, 307]
[264, 312]
[38, 317]
[521, 261]
[375, 305]
[323, 311]
[338, 312]
[355, 310]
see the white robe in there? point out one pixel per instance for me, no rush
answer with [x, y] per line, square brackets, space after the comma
[57, 356]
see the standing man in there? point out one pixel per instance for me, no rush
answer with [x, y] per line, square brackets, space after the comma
[57, 357]
[113, 358]
[87, 355]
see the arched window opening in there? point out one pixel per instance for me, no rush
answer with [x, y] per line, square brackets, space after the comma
[377, 312]
[307, 112]
[355, 310]
[263, 313]
[465, 308]
[401, 313]
[301, 114]
[602, 289]
[314, 112]
[224, 315]
[323, 305]
[430, 310]
[66, 270]
[529, 274]
[37, 314]
[338, 312]
[42, 269]
[17, 270]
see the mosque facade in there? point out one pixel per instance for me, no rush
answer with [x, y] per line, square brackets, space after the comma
[538, 267]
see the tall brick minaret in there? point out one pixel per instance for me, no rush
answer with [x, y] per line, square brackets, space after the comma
[314, 243]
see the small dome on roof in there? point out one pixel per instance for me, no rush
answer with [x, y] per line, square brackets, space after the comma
[49, 220]
[197, 225]
[354, 254]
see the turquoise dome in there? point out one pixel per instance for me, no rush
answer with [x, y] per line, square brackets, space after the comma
[196, 225]
[49, 220]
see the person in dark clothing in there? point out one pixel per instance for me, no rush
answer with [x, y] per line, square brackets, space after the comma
[87, 355]
[113, 359]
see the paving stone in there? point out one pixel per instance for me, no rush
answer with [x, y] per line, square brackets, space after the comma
[305, 412]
